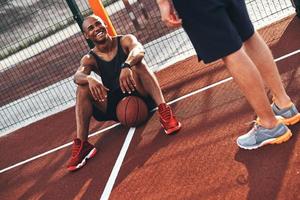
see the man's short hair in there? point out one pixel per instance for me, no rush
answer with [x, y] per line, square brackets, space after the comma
[92, 16]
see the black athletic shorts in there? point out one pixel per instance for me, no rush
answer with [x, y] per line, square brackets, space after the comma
[216, 28]
[113, 98]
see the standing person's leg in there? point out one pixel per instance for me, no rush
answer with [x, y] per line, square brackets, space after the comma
[147, 84]
[246, 75]
[268, 130]
[282, 105]
[261, 134]
[262, 57]
[224, 40]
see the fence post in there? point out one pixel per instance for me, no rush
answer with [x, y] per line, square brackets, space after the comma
[131, 15]
[143, 9]
[78, 17]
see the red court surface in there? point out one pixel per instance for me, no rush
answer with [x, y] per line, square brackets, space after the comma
[202, 161]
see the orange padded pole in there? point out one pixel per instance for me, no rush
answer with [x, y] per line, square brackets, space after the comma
[99, 10]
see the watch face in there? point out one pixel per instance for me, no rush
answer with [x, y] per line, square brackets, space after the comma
[124, 65]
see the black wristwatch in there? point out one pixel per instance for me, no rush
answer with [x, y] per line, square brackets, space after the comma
[124, 65]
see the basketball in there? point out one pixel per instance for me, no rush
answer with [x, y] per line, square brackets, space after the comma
[132, 111]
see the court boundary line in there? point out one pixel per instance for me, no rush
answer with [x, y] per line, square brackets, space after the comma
[115, 171]
[117, 124]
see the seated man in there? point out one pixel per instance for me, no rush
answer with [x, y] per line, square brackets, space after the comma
[119, 61]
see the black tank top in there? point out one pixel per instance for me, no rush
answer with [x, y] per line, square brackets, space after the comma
[110, 70]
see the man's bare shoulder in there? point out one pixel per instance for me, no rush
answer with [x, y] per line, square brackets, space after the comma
[129, 41]
[128, 38]
[88, 60]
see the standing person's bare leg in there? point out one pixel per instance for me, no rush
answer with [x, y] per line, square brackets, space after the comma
[262, 57]
[240, 66]
[268, 129]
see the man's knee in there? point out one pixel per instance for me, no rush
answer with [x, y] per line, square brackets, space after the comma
[141, 69]
[82, 91]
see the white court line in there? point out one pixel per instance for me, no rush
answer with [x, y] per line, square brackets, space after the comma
[112, 178]
[225, 80]
[112, 126]
[55, 149]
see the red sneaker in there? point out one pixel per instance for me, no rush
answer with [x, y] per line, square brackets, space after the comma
[81, 151]
[167, 119]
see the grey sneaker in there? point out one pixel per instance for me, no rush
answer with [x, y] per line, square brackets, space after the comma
[290, 115]
[259, 136]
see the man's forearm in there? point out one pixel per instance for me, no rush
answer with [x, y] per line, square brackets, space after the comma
[81, 78]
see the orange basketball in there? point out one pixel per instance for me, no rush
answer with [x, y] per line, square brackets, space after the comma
[132, 111]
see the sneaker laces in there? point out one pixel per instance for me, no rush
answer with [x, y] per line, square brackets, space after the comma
[166, 113]
[255, 124]
[75, 149]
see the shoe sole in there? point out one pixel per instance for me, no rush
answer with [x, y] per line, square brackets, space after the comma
[173, 130]
[91, 154]
[292, 120]
[283, 138]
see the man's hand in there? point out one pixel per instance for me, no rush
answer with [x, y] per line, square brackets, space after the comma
[168, 13]
[127, 82]
[98, 90]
